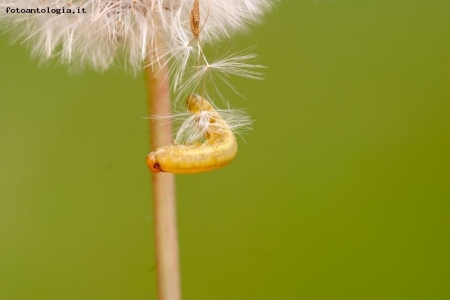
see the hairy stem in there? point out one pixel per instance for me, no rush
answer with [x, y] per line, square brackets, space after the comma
[164, 201]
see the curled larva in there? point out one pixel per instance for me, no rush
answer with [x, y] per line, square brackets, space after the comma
[218, 148]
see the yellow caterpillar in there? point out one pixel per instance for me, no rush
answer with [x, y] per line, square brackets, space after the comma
[218, 148]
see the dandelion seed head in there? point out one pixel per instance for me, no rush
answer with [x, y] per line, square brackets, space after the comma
[133, 34]
[125, 32]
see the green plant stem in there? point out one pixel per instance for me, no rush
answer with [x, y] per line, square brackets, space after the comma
[164, 200]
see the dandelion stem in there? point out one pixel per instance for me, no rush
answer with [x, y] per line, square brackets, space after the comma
[164, 201]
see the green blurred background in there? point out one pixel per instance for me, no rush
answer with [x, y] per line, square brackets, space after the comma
[341, 191]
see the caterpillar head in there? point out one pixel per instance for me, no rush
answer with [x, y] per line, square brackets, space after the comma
[152, 164]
